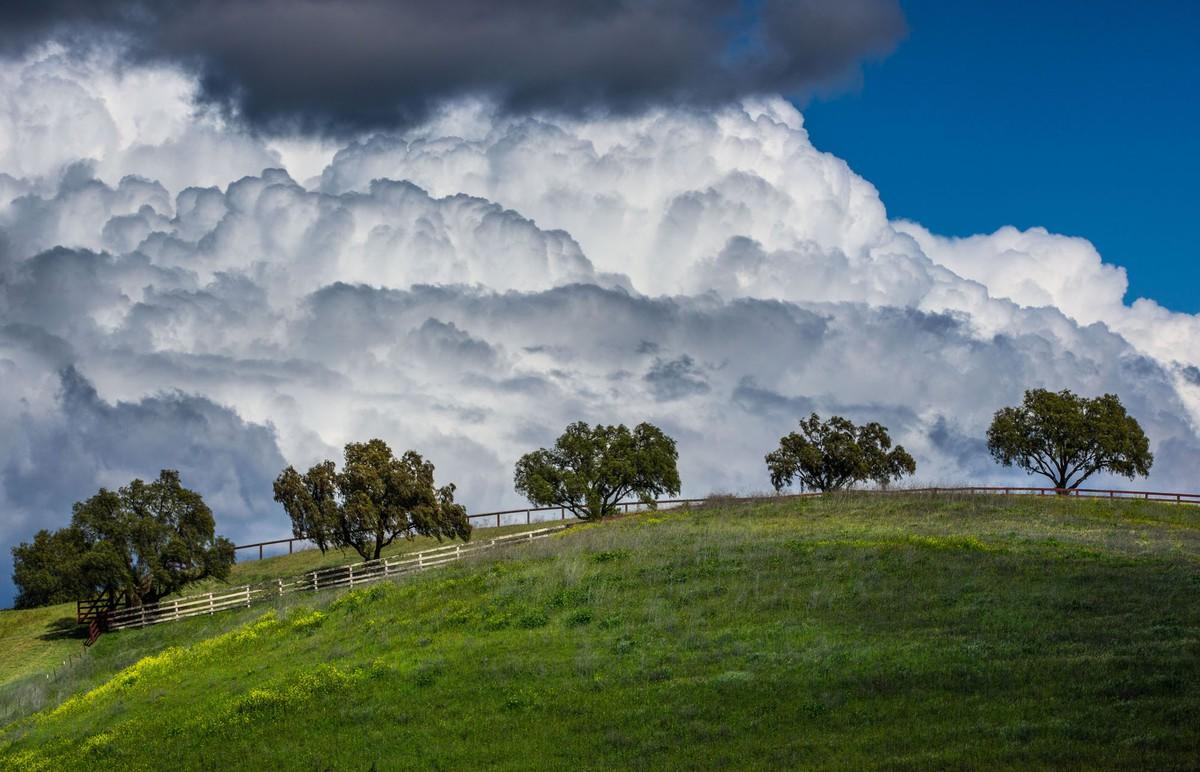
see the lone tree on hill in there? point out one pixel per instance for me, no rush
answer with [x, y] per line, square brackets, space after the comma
[146, 541]
[372, 501]
[835, 454]
[1068, 438]
[591, 469]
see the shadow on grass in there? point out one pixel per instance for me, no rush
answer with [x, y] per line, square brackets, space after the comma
[64, 628]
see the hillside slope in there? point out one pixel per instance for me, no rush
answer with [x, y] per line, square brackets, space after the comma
[34, 643]
[850, 632]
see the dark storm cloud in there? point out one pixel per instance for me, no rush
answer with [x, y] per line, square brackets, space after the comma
[93, 443]
[754, 399]
[437, 340]
[675, 379]
[969, 448]
[371, 63]
[219, 453]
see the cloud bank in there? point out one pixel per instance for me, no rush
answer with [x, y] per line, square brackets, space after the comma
[176, 290]
[372, 64]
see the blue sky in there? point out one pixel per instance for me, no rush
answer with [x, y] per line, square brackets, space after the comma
[1078, 116]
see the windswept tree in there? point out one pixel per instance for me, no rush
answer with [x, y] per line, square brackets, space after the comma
[143, 541]
[1068, 438]
[375, 499]
[835, 454]
[591, 469]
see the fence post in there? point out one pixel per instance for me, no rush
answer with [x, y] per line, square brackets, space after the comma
[247, 596]
[351, 568]
[281, 586]
[143, 624]
[290, 545]
[497, 519]
[177, 608]
[210, 604]
[315, 585]
[562, 513]
[527, 517]
[260, 552]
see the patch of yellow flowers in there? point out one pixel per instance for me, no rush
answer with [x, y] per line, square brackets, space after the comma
[240, 710]
[165, 661]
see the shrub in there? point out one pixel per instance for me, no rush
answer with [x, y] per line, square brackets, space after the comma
[533, 618]
[579, 617]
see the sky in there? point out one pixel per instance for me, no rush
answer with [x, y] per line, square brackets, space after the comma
[1076, 115]
[236, 236]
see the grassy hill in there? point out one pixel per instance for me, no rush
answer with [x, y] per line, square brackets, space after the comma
[845, 632]
[35, 643]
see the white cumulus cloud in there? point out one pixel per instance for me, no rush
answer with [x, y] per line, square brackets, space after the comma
[177, 292]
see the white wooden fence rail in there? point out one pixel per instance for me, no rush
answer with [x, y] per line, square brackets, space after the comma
[313, 581]
[374, 570]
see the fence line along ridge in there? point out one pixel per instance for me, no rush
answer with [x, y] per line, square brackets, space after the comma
[373, 570]
[351, 575]
[485, 518]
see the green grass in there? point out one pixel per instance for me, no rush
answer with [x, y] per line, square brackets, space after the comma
[251, 571]
[850, 632]
[42, 644]
[36, 641]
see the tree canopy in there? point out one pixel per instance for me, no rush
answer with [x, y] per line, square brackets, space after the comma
[375, 499]
[48, 570]
[591, 469]
[835, 454]
[144, 541]
[1068, 438]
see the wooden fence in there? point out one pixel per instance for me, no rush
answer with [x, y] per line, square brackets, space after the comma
[482, 520]
[547, 514]
[1079, 493]
[374, 570]
[351, 575]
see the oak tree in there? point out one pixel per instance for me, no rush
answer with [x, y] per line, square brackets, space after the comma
[48, 569]
[144, 541]
[374, 500]
[591, 469]
[835, 454]
[1068, 438]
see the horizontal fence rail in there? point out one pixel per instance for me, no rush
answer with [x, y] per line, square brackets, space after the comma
[1079, 493]
[482, 520]
[370, 571]
[531, 515]
[333, 577]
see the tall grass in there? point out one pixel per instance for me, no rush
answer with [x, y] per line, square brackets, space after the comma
[846, 632]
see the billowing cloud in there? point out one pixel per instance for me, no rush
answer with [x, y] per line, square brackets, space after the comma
[740, 202]
[469, 286]
[62, 442]
[675, 378]
[371, 64]
[62, 109]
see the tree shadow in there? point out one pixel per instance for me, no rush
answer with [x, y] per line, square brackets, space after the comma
[63, 629]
